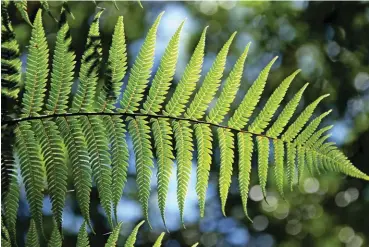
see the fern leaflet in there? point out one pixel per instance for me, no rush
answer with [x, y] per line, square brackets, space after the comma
[226, 144]
[204, 146]
[132, 237]
[187, 84]
[139, 130]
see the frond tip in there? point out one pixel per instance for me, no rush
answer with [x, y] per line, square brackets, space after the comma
[89, 136]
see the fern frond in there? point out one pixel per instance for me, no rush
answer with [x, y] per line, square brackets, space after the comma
[184, 147]
[339, 163]
[83, 100]
[159, 240]
[295, 128]
[204, 151]
[115, 130]
[187, 84]
[286, 114]
[139, 130]
[113, 238]
[279, 165]
[161, 82]
[71, 131]
[226, 144]
[97, 145]
[210, 84]
[222, 106]
[55, 238]
[132, 237]
[291, 157]
[10, 206]
[36, 71]
[263, 156]
[51, 143]
[117, 66]
[263, 119]
[21, 5]
[245, 148]
[140, 72]
[310, 129]
[10, 62]
[32, 236]
[31, 165]
[82, 238]
[162, 132]
[243, 112]
[62, 73]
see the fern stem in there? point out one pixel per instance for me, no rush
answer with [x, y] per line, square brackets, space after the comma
[127, 114]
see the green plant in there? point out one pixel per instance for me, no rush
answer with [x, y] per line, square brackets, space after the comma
[91, 136]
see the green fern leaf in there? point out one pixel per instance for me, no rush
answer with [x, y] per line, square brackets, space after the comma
[286, 114]
[204, 151]
[132, 237]
[184, 148]
[226, 144]
[71, 131]
[32, 236]
[222, 106]
[97, 145]
[21, 5]
[62, 71]
[263, 151]
[48, 136]
[11, 205]
[279, 165]
[187, 84]
[82, 238]
[245, 148]
[139, 130]
[162, 132]
[295, 128]
[291, 157]
[55, 238]
[310, 129]
[32, 170]
[243, 112]
[339, 163]
[300, 163]
[262, 120]
[84, 99]
[140, 72]
[115, 130]
[117, 66]
[113, 238]
[210, 84]
[36, 71]
[10, 62]
[161, 82]
[159, 240]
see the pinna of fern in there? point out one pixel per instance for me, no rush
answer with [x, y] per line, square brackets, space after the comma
[94, 131]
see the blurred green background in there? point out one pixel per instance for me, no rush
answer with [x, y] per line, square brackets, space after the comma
[329, 41]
